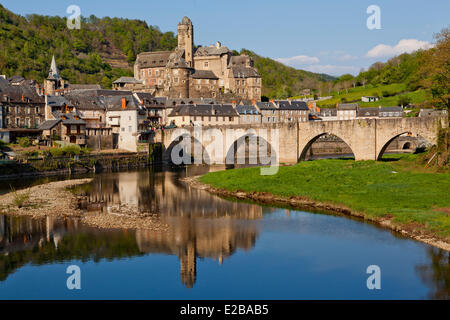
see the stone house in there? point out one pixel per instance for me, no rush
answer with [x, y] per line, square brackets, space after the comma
[380, 112]
[205, 115]
[391, 112]
[22, 107]
[269, 112]
[128, 120]
[292, 111]
[347, 111]
[369, 112]
[369, 99]
[69, 127]
[156, 109]
[128, 83]
[328, 114]
[92, 109]
[248, 114]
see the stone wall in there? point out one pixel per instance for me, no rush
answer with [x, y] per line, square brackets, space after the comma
[100, 142]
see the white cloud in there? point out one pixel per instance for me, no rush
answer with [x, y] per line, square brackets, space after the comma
[403, 46]
[332, 69]
[298, 60]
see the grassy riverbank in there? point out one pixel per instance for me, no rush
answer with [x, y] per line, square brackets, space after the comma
[411, 197]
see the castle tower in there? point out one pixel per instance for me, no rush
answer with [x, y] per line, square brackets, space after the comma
[186, 40]
[188, 265]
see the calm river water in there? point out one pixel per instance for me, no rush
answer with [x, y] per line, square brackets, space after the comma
[216, 249]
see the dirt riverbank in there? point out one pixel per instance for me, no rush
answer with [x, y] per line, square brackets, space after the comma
[307, 204]
[54, 199]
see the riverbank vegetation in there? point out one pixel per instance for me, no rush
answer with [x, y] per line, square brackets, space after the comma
[399, 189]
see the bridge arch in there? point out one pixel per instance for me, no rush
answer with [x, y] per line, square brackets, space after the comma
[190, 148]
[255, 149]
[304, 150]
[425, 143]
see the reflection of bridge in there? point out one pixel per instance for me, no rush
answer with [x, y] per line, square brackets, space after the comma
[367, 138]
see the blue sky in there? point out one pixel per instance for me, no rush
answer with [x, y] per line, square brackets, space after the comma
[327, 36]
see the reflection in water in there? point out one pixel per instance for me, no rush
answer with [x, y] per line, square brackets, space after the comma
[437, 274]
[47, 240]
[201, 225]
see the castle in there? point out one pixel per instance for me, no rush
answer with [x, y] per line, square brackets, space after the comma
[195, 72]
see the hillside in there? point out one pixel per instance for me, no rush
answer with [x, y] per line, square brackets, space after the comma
[105, 49]
[281, 81]
[100, 52]
[421, 78]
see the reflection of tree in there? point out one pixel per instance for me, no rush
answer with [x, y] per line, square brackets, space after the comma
[436, 275]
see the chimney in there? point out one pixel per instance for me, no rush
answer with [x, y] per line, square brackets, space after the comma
[218, 45]
[124, 103]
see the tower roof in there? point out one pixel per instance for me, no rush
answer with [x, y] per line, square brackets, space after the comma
[186, 20]
[54, 72]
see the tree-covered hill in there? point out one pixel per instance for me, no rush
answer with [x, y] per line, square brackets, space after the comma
[281, 81]
[101, 51]
[105, 49]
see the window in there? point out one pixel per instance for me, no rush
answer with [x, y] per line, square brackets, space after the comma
[37, 110]
[206, 64]
[17, 121]
[230, 119]
[130, 128]
[123, 129]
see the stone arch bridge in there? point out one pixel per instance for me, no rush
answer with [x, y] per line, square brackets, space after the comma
[367, 138]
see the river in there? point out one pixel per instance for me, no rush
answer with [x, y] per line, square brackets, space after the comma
[215, 249]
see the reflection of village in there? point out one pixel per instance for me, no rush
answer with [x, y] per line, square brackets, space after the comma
[200, 225]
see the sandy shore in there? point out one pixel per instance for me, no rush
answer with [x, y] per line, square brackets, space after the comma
[54, 199]
[307, 204]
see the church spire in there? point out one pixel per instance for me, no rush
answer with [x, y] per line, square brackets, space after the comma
[54, 73]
